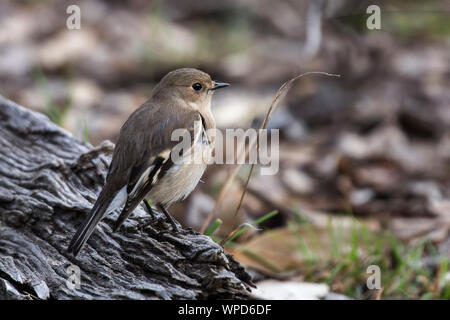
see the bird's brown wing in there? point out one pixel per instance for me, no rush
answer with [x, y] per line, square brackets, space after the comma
[145, 134]
[145, 175]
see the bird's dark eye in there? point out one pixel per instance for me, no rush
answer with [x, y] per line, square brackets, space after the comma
[197, 86]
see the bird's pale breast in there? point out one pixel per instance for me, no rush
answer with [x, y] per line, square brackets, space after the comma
[183, 176]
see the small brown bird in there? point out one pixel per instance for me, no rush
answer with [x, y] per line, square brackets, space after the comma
[142, 166]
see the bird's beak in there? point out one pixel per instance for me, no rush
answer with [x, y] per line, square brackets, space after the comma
[218, 85]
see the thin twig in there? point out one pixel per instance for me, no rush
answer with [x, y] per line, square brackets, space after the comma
[284, 87]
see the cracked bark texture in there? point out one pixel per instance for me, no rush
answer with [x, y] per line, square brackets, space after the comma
[48, 183]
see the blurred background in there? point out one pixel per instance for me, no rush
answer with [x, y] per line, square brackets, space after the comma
[364, 159]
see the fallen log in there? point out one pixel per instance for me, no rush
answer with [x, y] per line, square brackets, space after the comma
[48, 183]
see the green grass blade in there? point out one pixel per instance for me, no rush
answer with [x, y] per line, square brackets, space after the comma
[254, 223]
[213, 227]
[86, 135]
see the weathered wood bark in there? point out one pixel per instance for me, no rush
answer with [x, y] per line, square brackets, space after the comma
[48, 183]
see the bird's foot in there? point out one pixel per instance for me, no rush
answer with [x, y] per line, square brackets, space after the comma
[170, 219]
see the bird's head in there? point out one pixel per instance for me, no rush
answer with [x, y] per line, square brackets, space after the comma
[192, 86]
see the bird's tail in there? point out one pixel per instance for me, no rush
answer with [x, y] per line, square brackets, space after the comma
[85, 230]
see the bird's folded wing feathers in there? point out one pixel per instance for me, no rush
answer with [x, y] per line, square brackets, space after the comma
[145, 174]
[143, 138]
[157, 146]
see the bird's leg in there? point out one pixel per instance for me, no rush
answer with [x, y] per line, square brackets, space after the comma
[149, 209]
[169, 217]
[150, 212]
